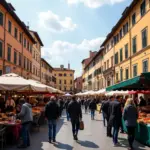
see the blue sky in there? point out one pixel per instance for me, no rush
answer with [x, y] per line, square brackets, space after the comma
[70, 28]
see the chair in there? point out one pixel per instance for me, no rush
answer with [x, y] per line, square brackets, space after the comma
[2, 137]
[35, 122]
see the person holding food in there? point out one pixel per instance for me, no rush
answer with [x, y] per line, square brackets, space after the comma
[130, 116]
[10, 104]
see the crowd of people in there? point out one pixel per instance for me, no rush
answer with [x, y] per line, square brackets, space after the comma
[113, 110]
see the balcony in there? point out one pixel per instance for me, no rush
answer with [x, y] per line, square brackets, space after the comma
[109, 70]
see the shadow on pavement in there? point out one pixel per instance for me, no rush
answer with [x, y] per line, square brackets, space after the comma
[63, 146]
[124, 143]
[88, 144]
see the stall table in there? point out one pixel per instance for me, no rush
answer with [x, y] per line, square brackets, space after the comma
[142, 133]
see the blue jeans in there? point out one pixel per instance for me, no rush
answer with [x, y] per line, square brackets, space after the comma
[25, 134]
[92, 114]
[52, 129]
[115, 133]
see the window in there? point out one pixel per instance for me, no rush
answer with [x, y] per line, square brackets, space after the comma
[16, 33]
[120, 33]
[125, 28]
[107, 64]
[60, 74]
[133, 19]
[127, 74]
[24, 42]
[121, 74]
[20, 37]
[28, 45]
[134, 45]
[70, 81]
[121, 58]
[9, 26]
[126, 51]
[60, 88]
[64, 88]
[9, 53]
[134, 70]
[64, 81]
[1, 72]
[20, 59]
[59, 81]
[24, 62]
[15, 57]
[31, 67]
[117, 77]
[116, 58]
[1, 19]
[1, 49]
[143, 8]
[145, 66]
[30, 48]
[70, 88]
[70, 75]
[27, 64]
[65, 75]
[144, 38]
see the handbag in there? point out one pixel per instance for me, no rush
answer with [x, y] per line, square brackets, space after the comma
[81, 125]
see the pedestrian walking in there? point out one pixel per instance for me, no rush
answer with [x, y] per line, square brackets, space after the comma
[115, 118]
[85, 105]
[130, 116]
[92, 107]
[75, 114]
[52, 114]
[66, 106]
[26, 117]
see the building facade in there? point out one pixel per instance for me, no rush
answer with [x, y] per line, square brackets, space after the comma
[126, 50]
[47, 73]
[36, 56]
[78, 84]
[64, 78]
[15, 43]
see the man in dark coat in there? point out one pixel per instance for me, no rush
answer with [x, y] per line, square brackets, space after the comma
[105, 108]
[75, 113]
[66, 106]
[92, 107]
[52, 114]
[115, 118]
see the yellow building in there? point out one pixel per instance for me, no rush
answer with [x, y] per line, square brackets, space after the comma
[92, 74]
[129, 41]
[36, 56]
[126, 52]
[47, 73]
[64, 78]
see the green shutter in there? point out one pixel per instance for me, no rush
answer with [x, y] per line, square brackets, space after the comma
[121, 55]
[134, 45]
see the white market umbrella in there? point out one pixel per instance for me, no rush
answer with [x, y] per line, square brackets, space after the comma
[67, 94]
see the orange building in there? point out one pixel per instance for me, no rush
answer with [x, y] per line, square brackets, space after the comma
[15, 43]
[36, 57]
[47, 74]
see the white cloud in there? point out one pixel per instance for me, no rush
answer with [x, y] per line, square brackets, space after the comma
[61, 52]
[94, 3]
[52, 22]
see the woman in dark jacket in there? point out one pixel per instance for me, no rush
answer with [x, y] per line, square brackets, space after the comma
[130, 116]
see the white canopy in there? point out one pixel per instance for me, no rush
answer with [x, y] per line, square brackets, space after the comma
[13, 82]
[100, 92]
[67, 94]
[111, 93]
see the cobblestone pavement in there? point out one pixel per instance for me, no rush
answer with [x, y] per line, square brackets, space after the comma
[92, 138]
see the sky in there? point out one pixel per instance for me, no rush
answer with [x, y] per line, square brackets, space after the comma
[69, 29]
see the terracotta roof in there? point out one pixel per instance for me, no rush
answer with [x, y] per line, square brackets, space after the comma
[63, 69]
[11, 10]
[42, 59]
[124, 15]
[37, 36]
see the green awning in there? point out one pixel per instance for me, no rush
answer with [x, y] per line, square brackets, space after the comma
[138, 83]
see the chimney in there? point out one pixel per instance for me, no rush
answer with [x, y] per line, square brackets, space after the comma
[90, 53]
[28, 25]
[69, 66]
